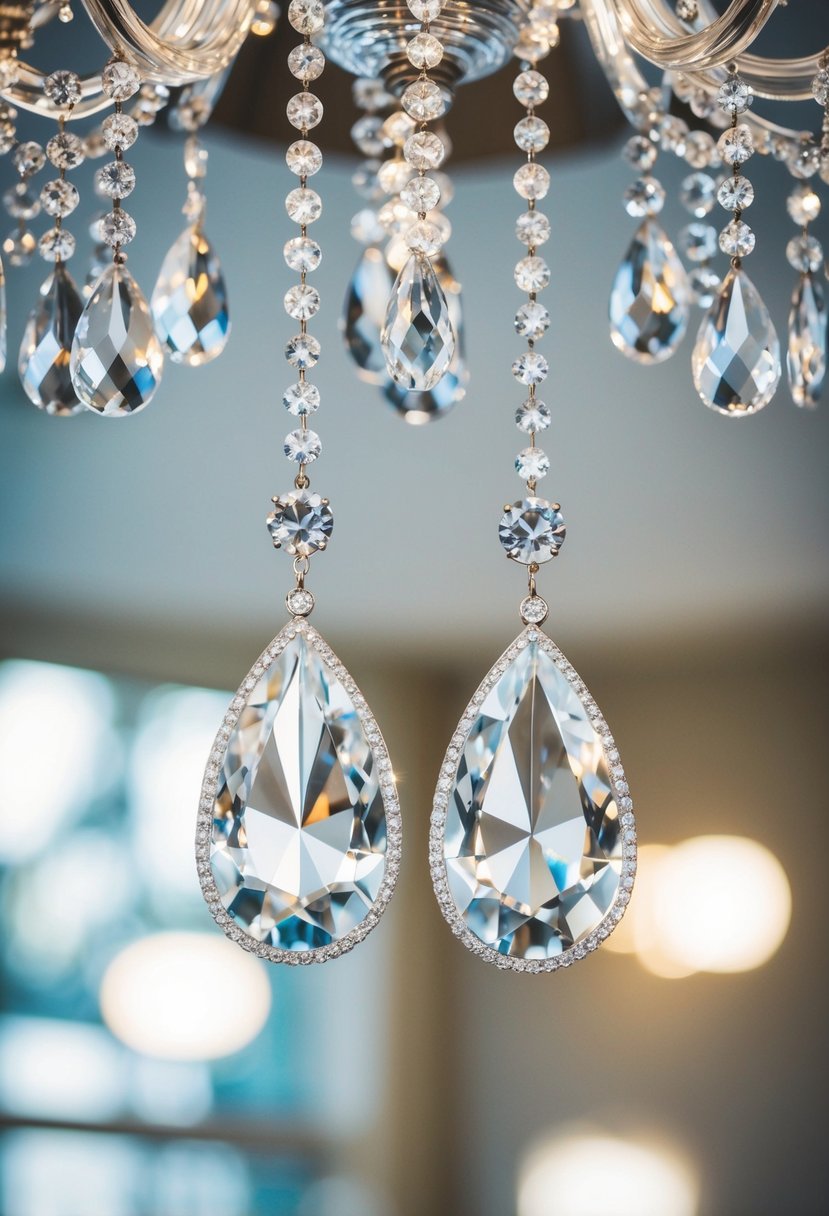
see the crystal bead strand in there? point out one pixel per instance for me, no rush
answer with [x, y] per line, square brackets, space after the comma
[698, 195]
[736, 146]
[22, 203]
[65, 151]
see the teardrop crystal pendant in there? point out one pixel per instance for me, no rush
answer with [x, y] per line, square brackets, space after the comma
[418, 338]
[736, 358]
[649, 299]
[117, 360]
[806, 354]
[299, 831]
[533, 840]
[365, 312]
[189, 301]
[43, 362]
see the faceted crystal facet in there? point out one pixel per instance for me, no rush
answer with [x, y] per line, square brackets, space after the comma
[117, 359]
[532, 531]
[418, 337]
[806, 355]
[533, 840]
[189, 301]
[649, 298]
[298, 841]
[736, 358]
[365, 312]
[43, 363]
[302, 522]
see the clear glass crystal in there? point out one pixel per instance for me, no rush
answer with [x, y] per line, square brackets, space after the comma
[425, 10]
[367, 134]
[366, 228]
[424, 101]
[59, 197]
[366, 303]
[120, 80]
[532, 464]
[646, 196]
[640, 152]
[370, 94]
[43, 362]
[119, 131]
[117, 359]
[28, 158]
[418, 337]
[736, 358]
[303, 205]
[704, 283]
[532, 415]
[306, 63]
[531, 88]
[424, 51]
[65, 150]
[532, 530]
[303, 447]
[424, 150]
[397, 128]
[56, 245]
[425, 237]
[302, 302]
[736, 145]
[302, 254]
[304, 111]
[421, 194]
[532, 134]
[303, 158]
[806, 163]
[21, 203]
[804, 253]
[195, 158]
[118, 228]
[698, 194]
[63, 88]
[701, 150]
[803, 204]
[532, 228]
[532, 274]
[530, 368]
[649, 297]
[737, 239]
[673, 135]
[531, 181]
[302, 351]
[807, 341]
[532, 320]
[394, 175]
[301, 523]
[820, 86]
[735, 194]
[301, 398]
[698, 241]
[734, 96]
[189, 301]
[19, 247]
[306, 16]
[116, 179]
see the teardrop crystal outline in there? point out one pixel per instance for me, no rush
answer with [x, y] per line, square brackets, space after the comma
[388, 793]
[624, 802]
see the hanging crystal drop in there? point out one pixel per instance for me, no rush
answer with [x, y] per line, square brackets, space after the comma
[189, 301]
[649, 299]
[806, 355]
[365, 313]
[736, 358]
[43, 362]
[298, 838]
[533, 840]
[3, 318]
[117, 359]
[418, 338]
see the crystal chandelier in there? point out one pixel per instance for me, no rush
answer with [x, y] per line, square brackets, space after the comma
[102, 345]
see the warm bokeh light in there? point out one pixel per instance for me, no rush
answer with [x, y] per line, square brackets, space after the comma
[589, 1173]
[721, 903]
[638, 932]
[185, 996]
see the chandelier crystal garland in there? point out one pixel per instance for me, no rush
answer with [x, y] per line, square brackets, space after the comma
[415, 56]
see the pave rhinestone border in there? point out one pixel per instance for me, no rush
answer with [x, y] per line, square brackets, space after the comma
[209, 789]
[619, 789]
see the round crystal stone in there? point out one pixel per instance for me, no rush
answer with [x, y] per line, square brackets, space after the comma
[19, 247]
[301, 523]
[803, 204]
[532, 228]
[116, 179]
[425, 238]
[367, 133]
[424, 51]
[532, 134]
[306, 62]
[531, 181]
[370, 94]
[8, 135]
[393, 175]
[701, 150]
[424, 150]
[530, 88]
[366, 228]
[302, 302]
[807, 161]
[737, 239]
[303, 447]
[65, 151]
[532, 531]
[396, 129]
[645, 196]
[421, 194]
[119, 80]
[306, 16]
[532, 320]
[734, 96]
[63, 88]
[735, 194]
[56, 245]
[532, 274]
[532, 415]
[425, 10]
[119, 131]
[640, 152]
[301, 399]
[303, 158]
[304, 111]
[736, 145]
[20, 202]
[804, 253]
[94, 145]
[28, 158]
[364, 180]
[698, 194]
[59, 197]
[117, 228]
[820, 86]
[302, 351]
[302, 254]
[699, 241]
[530, 368]
[533, 610]
[704, 283]
[673, 135]
[532, 464]
[303, 205]
[424, 101]
[300, 602]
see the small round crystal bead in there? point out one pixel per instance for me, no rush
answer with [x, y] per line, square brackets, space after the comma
[119, 131]
[532, 134]
[302, 351]
[306, 62]
[532, 228]
[367, 133]
[303, 447]
[532, 531]
[704, 283]
[804, 253]
[645, 196]
[63, 88]
[65, 150]
[425, 10]
[301, 522]
[735, 194]
[304, 111]
[56, 245]
[302, 301]
[21, 203]
[303, 158]
[59, 197]
[302, 254]
[303, 205]
[425, 238]
[532, 415]
[803, 204]
[301, 398]
[531, 181]
[699, 242]
[737, 239]
[424, 150]
[820, 86]
[736, 145]
[19, 248]
[116, 179]
[424, 51]
[117, 228]
[28, 158]
[532, 464]
[119, 80]
[530, 368]
[424, 101]
[734, 96]
[531, 88]
[640, 152]
[420, 194]
[532, 274]
[532, 320]
[698, 194]
[306, 16]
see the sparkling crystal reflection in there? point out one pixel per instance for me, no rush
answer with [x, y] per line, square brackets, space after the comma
[43, 362]
[299, 828]
[532, 842]
[736, 358]
[365, 312]
[418, 337]
[806, 354]
[189, 301]
[649, 298]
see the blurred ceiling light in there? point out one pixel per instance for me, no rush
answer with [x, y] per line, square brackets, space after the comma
[56, 749]
[638, 932]
[60, 1069]
[720, 903]
[185, 996]
[589, 1173]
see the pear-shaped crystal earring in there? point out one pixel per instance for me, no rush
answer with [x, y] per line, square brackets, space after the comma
[298, 835]
[533, 844]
